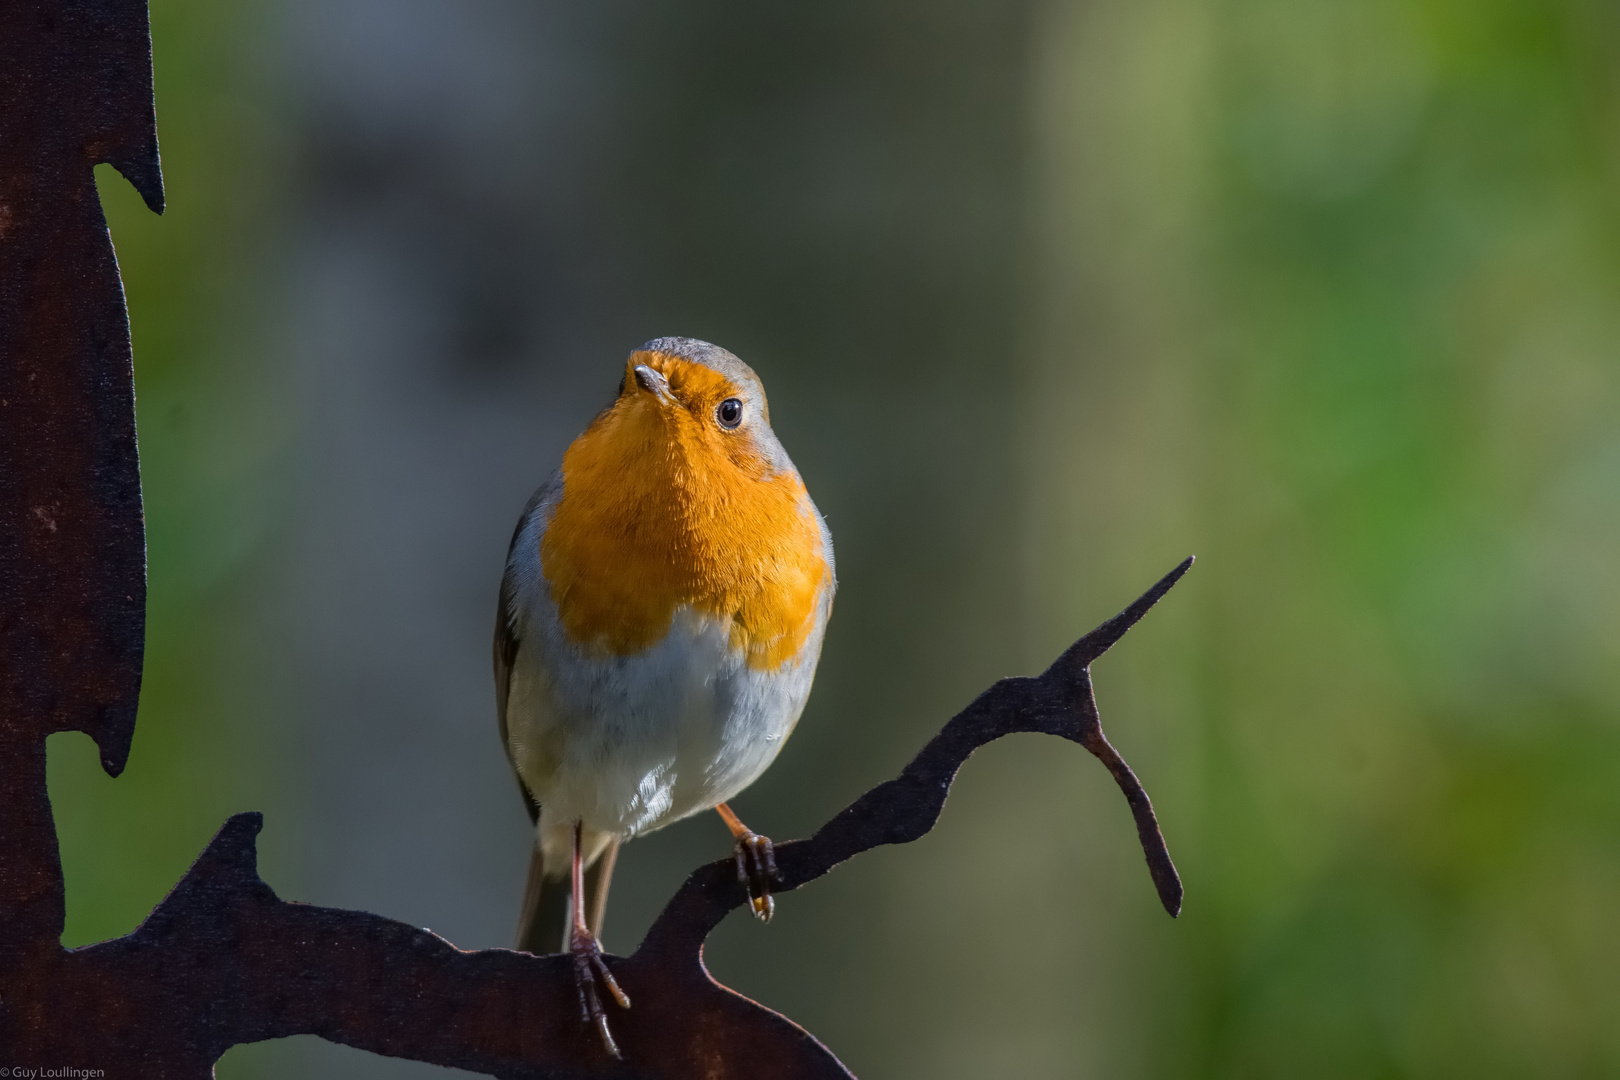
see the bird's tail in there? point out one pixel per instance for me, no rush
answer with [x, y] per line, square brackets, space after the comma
[546, 918]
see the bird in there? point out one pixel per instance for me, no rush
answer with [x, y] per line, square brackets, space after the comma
[661, 617]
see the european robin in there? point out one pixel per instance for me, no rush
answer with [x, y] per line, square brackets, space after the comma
[660, 620]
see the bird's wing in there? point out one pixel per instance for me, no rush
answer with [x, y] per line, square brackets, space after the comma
[507, 643]
[509, 627]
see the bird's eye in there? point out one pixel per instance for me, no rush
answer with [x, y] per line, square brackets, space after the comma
[729, 413]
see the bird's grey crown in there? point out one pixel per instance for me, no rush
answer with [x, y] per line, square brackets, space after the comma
[710, 356]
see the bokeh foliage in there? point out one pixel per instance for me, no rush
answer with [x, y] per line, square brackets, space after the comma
[1358, 261]
[209, 430]
[1323, 291]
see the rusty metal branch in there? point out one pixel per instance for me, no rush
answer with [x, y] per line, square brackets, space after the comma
[223, 961]
[1057, 702]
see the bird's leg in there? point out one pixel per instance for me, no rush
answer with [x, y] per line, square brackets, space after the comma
[756, 864]
[587, 953]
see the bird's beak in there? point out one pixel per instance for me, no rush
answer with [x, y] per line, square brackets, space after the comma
[654, 383]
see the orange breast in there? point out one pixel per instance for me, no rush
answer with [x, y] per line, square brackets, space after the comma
[661, 509]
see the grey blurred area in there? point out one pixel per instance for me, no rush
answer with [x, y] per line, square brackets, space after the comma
[494, 202]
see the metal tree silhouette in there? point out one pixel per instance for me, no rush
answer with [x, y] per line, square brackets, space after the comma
[222, 960]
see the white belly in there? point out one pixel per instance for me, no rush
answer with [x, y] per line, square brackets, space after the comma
[629, 744]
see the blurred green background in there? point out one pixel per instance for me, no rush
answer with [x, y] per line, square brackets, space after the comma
[1048, 295]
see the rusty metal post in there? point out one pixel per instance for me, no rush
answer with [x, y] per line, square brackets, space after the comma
[75, 91]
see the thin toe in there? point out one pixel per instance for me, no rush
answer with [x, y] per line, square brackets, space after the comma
[756, 869]
[589, 968]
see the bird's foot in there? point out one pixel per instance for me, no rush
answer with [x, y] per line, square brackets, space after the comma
[589, 967]
[756, 869]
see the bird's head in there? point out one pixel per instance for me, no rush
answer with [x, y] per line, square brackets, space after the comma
[696, 403]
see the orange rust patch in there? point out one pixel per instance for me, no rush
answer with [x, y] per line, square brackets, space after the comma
[661, 507]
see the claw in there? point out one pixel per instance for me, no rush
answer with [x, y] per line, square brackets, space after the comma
[756, 869]
[589, 968]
